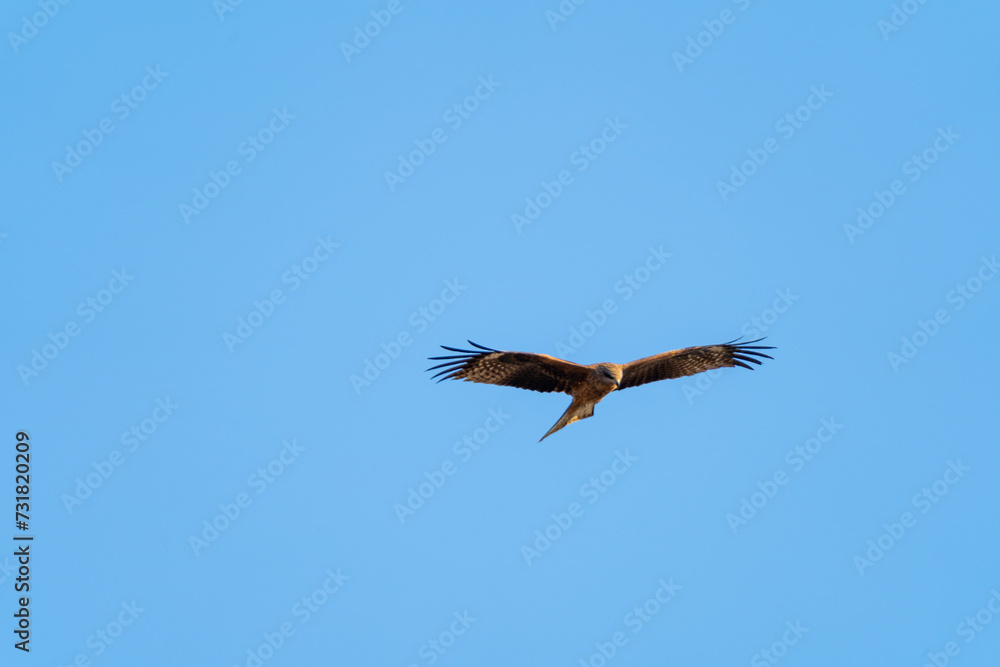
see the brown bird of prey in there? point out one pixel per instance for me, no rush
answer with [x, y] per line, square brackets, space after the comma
[589, 384]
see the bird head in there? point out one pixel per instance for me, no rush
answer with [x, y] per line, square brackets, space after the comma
[612, 373]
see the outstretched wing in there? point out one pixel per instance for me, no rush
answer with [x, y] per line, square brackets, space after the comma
[537, 372]
[691, 360]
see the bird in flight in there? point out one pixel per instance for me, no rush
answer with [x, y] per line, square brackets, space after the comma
[589, 384]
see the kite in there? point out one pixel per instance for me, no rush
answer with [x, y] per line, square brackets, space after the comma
[589, 384]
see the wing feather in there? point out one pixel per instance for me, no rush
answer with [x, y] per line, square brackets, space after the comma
[692, 360]
[525, 370]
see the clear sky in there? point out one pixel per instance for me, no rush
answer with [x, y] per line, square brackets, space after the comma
[234, 232]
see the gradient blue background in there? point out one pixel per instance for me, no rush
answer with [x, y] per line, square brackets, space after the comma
[697, 454]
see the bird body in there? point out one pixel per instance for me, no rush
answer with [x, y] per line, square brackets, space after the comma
[588, 385]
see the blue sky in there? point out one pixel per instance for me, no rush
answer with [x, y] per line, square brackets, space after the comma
[235, 232]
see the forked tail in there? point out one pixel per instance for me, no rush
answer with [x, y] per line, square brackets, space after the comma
[575, 412]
